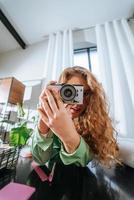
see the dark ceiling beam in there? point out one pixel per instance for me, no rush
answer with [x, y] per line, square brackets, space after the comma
[12, 30]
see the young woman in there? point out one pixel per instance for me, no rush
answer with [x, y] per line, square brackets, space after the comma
[75, 133]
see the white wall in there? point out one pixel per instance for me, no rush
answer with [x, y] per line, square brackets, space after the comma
[25, 64]
[29, 64]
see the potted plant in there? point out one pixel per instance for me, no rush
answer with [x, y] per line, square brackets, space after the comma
[18, 136]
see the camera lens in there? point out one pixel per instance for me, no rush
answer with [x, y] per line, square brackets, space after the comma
[67, 92]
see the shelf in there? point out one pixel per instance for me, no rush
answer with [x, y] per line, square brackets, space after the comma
[8, 156]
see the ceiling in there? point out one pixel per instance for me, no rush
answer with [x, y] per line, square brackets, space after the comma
[34, 19]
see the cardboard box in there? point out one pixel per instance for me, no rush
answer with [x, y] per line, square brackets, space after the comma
[11, 90]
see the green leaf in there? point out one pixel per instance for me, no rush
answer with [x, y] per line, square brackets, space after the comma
[18, 136]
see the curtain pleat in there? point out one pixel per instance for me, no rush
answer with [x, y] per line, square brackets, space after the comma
[70, 48]
[59, 54]
[116, 71]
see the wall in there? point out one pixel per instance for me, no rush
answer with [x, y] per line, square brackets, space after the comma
[29, 64]
[25, 64]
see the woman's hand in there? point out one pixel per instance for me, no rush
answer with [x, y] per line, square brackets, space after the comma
[56, 117]
[42, 126]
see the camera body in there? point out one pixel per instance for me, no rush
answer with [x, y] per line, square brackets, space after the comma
[71, 94]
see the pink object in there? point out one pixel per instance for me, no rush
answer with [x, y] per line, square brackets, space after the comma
[16, 191]
[40, 172]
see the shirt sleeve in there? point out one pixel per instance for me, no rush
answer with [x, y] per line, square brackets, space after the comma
[81, 156]
[41, 147]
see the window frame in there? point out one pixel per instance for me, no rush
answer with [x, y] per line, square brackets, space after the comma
[88, 50]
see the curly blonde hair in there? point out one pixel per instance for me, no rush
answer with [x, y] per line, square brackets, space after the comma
[94, 124]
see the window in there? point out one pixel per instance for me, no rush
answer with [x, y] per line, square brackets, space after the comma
[86, 57]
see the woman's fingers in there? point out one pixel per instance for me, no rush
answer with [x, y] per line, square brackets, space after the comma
[47, 108]
[48, 102]
[51, 83]
[42, 94]
[43, 116]
[51, 101]
[42, 100]
[43, 91]
[58, 99]
[41, 107]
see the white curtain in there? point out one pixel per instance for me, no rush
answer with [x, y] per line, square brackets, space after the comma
[115, 44]
[59, 54]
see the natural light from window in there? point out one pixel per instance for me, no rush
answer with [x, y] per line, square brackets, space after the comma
[81, 59]
[87, 58]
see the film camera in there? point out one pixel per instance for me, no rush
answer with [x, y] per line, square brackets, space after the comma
[71, 94]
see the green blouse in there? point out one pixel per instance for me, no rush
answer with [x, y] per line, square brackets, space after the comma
[49, 148]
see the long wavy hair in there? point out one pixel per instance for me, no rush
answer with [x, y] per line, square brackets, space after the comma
[95, 125]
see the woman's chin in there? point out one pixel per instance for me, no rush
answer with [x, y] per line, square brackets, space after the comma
[74, 115]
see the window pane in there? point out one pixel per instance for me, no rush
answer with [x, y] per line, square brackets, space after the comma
[81, 59]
